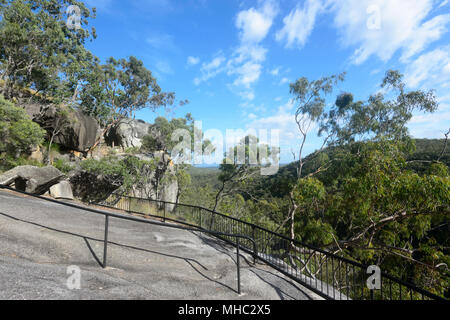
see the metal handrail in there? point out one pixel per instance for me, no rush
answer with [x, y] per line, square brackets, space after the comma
[390, 282]
[130, 218]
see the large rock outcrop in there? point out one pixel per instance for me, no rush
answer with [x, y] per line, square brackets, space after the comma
[128, 133]
[62, 190]
[162, 183]
[31, 179]
[90, 187]
[157, 181]
[79, 132]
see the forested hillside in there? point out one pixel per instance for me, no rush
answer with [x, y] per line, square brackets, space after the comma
[425, 152]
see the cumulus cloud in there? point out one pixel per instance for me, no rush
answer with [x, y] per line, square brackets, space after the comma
[275, 72]
[248, 73]
[432, 126]
[284, 121]
[245, 62]
[211, 69]
[299, 23]
[382, 27]
[284, 81]
[375, 27]
[254, 24]
[444, 3]
[192, 61]
[431, 69]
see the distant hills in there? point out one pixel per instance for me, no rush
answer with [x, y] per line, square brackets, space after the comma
[278, 184]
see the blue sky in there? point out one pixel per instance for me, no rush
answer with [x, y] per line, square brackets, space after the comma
[233, 60]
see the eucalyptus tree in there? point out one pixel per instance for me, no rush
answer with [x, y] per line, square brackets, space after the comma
[17, 132]
[39, 50]
[241, 166]
[120, 88]
[364, 202]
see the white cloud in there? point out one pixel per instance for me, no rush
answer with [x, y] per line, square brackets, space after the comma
[275, 72]
[252, 52]
[404, 25]
[248, 74]
[431, 126]
[211, 69]
[444, 3]
[164, 67]
[278, 99]
[430, 70]
[299, 24]
[214, 64]
[282, 120]
[284, 81]
[247, 94]
[245, 62]
[254, 24]
[192, 61]
[161, 41]
[252, 116]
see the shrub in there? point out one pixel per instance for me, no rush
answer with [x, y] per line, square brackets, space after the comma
[63, 166]
[17, 132]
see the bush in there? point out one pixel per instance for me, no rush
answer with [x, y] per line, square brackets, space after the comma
[17, 132]
[63, 166]
[8, 162]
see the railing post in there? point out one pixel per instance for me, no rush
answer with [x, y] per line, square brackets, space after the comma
[164, 219]
[238, 266]
[105, 244]
[254, 244]
[213, 216]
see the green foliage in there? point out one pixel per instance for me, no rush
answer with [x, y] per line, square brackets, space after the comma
[119, 88]
[55, 148]
[309, 95]
[184, 181]
[163, 133]
[63, 166]
[39, 51]
[383, 116]
[160, 133]
[110, 166]
[204, 176]
[438, 169]
[18, 133]
[126, 173]
[132, 150]
[9, 162]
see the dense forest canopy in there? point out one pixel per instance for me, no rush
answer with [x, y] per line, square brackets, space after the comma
[371, 193]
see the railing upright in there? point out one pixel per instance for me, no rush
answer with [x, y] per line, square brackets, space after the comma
[105, 244]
